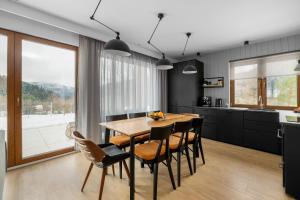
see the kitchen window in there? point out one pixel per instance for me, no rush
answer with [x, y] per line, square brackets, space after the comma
[267, 82]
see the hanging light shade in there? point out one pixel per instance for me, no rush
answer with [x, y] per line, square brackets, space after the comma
[297, 68]
[164, 64]
[117, 47]
[189, 69]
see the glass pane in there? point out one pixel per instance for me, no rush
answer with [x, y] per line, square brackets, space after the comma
[244, 72]
[3, 84]
[48, 98]
[282, 91]
[245, 91]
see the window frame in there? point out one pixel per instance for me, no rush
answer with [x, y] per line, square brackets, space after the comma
[262, 91]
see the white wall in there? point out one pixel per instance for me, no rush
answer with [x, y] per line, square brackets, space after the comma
[20, 24]
[216, 64]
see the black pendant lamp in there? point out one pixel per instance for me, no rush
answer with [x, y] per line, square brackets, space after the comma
[115, 46]
[188, 69]
[163, 63]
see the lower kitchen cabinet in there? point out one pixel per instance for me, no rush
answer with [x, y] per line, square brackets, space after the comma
[247, 128]
[209, 130]
[291, 159]
[230, 126]
[262, 140]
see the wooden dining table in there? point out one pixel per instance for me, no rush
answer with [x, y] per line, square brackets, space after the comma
[139, 126]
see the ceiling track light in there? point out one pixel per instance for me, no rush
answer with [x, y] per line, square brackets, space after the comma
[297, 68]
[246, 43]
[115, 46]
[163, 63]
[188, 69]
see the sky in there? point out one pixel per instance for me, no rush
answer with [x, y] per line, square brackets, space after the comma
[47, 64]
[42, 63]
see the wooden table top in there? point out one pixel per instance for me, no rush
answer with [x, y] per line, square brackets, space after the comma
[141, 125]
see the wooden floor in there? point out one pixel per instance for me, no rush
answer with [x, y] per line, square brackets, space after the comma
[231, 172]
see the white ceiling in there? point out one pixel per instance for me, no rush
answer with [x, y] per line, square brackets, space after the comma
[215, 24]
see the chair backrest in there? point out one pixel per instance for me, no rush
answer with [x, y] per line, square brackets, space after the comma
[89, 149]
[110, 118]
[162, 134]
[183, 128]
[197, 125]
[135, 115]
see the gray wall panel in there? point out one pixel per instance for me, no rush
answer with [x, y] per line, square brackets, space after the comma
[216, 64]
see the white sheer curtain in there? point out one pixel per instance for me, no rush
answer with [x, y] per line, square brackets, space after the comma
[128, 84]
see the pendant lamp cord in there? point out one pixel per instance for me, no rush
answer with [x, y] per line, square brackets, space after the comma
[160, 16]
[93, 18]
[187, 39]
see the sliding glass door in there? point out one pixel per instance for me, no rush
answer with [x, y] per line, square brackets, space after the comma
[45, 92]
[37, 96]
[7, 91]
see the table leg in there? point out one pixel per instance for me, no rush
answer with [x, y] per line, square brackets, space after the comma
[106, 136]
[132, 171]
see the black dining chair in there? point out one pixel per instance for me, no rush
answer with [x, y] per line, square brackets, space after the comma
[155, 152]
[136, 115]
[102, 156]
[122, 141]
[194, 138]
[179, 144]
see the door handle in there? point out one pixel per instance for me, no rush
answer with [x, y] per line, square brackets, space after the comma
[18, 101]
[279, 134]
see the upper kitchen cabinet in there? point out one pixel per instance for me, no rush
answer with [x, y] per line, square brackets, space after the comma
[185, 89]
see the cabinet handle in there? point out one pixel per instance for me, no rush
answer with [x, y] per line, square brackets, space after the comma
[281, 165]
[279, 134]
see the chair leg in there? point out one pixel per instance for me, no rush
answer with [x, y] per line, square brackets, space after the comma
[196, 148]
[188, 159]
[171, 173]
[155, 181]
[194, 156]
[178, 167]
[201, 151]
[87, 176]
[120, 169]
[113, 169]
[126, 169]
[104, 172]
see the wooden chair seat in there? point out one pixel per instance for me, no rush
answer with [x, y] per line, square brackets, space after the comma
[124, 140]
[147, 151]
[174, 142]
[191, 136]
[144, 137]
[120, 140]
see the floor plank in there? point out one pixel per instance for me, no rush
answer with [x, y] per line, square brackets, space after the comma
[231, 172]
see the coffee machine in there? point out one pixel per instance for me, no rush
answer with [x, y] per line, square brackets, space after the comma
[205, 101]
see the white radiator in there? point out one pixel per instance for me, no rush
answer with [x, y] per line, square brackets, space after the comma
[2, 161]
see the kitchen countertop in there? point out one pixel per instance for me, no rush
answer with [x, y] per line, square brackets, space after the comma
[282, 113]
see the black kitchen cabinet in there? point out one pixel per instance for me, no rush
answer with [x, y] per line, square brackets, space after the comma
[291, 159]
[209, 128]
[185, 89]
[230, 126]
[260, 131]
[247, 128]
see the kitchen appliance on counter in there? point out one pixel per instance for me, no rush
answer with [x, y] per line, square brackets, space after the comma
[205, 101]
[219, 102]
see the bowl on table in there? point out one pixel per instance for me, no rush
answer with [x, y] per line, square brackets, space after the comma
[156, 115]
